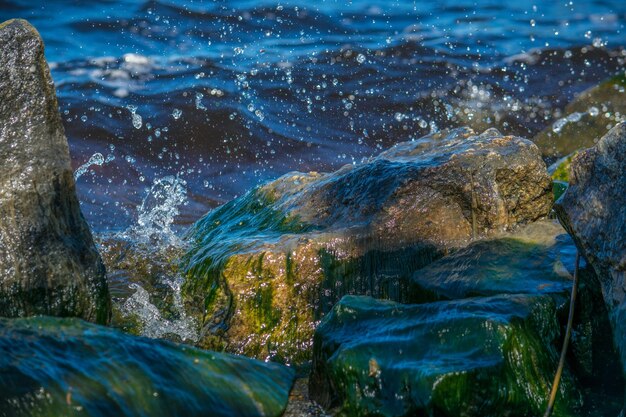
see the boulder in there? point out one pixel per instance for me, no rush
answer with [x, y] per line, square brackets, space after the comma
[593, 211]
[68, 367]
[48, 261]
[537, 259]
[263, 269]
[585, 120]
[484, 356]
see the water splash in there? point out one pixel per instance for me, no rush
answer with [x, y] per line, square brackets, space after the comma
[96, 159]
[142, 263]
[136, 118]
[158, 210]
[154, 325]
[558, 126]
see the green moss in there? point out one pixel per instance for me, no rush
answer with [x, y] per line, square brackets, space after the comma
[477, 357]
[558, 188]
[607, 99]
[561, 172]
[55, 367]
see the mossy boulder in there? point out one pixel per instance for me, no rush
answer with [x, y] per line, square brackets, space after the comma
[264, 268]
[484, 356]
[67, 367]
[585, 120]
[537, 259]
[48, 261]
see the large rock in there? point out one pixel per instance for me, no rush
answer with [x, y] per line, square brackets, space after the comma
[485, 356]
[593, 210]
[67, 367]
[487, 349]
[48, 261]
[585, 120]
[537, 259]
[264, 268]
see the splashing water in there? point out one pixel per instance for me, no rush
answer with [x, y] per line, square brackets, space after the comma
[96, 159]
[136, 118]
[558, 126]
[154, 325]
[158, 211]
[142, 266]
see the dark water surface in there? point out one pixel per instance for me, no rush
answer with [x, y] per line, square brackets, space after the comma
[200, 101]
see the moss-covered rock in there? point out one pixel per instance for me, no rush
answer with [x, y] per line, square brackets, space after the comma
[485, 356]
[538, 259]
[67, 367]
[264, 268]
[48, 261]
[586, 119]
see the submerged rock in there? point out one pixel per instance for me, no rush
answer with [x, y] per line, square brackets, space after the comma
[585, 120]
[48, 261]
[67, 367]
[264, 268]
[485, 356]
[593, 210]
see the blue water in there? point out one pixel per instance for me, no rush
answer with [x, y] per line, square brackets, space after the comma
[227, 94]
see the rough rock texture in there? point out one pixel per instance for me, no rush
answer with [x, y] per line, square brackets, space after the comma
[484, 356]
[48, 261]
[593, 210]
[67, 367]
[585, 120]
[264, 268]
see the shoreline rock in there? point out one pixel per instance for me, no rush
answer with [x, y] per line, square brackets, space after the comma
[68, 367]
[586, 119]
[593, 211]
[48, 261]
[264, 268]
[473, 357]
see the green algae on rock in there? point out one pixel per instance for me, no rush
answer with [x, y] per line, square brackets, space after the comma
[538, 259]
[586, 119]
[48, 261]
[485, 356]
[67, 367]
[264, 268]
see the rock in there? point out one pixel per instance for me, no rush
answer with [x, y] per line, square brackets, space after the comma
[593, 211]
[264, 268]
[585, 120]
[48, 261]
[67, 367]
[485, 356]
[537, 259]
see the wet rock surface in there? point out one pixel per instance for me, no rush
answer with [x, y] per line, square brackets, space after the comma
[67, 367]
[593, 210]
[486, 356]
[436, 354]
[585, 120]
[48, 261]
[264, 268]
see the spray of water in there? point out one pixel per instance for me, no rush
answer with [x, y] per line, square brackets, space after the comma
[145, 257]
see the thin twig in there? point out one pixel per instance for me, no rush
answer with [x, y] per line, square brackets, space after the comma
[568, 332]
